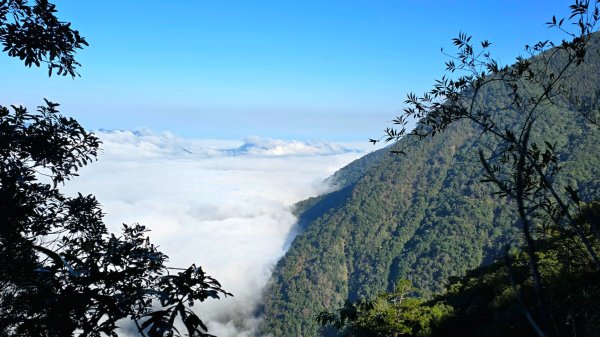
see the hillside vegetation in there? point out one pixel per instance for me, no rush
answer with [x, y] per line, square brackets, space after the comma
[423, 216]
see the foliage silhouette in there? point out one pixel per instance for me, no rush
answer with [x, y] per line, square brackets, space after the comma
[35, 35]
[63, 273]
[520, 167]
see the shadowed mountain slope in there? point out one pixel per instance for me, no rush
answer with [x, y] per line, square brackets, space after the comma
[423, 216]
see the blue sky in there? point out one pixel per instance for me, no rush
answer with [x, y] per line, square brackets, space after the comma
[328, 70]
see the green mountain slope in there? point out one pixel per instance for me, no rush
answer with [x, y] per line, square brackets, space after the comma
[423, 216]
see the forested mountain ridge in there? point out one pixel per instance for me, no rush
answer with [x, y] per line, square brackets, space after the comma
[423, 216]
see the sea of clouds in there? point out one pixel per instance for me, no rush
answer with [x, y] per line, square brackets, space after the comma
[223, 205]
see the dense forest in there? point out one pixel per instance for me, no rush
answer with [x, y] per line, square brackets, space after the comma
[424, 216]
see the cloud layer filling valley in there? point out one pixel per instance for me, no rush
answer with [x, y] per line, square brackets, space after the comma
[224, 205]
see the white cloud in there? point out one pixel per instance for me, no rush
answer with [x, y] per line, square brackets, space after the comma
[276, 147]
[224, 205]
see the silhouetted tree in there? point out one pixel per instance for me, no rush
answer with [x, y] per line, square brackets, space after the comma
[521, 163]
[61, 272]
[31, 31]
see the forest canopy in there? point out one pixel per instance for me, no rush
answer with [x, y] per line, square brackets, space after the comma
[500, 167]
[546, 282]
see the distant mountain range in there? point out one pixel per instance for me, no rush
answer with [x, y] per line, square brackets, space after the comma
[168, 143]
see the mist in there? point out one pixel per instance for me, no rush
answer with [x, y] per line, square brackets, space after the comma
[221, 204]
